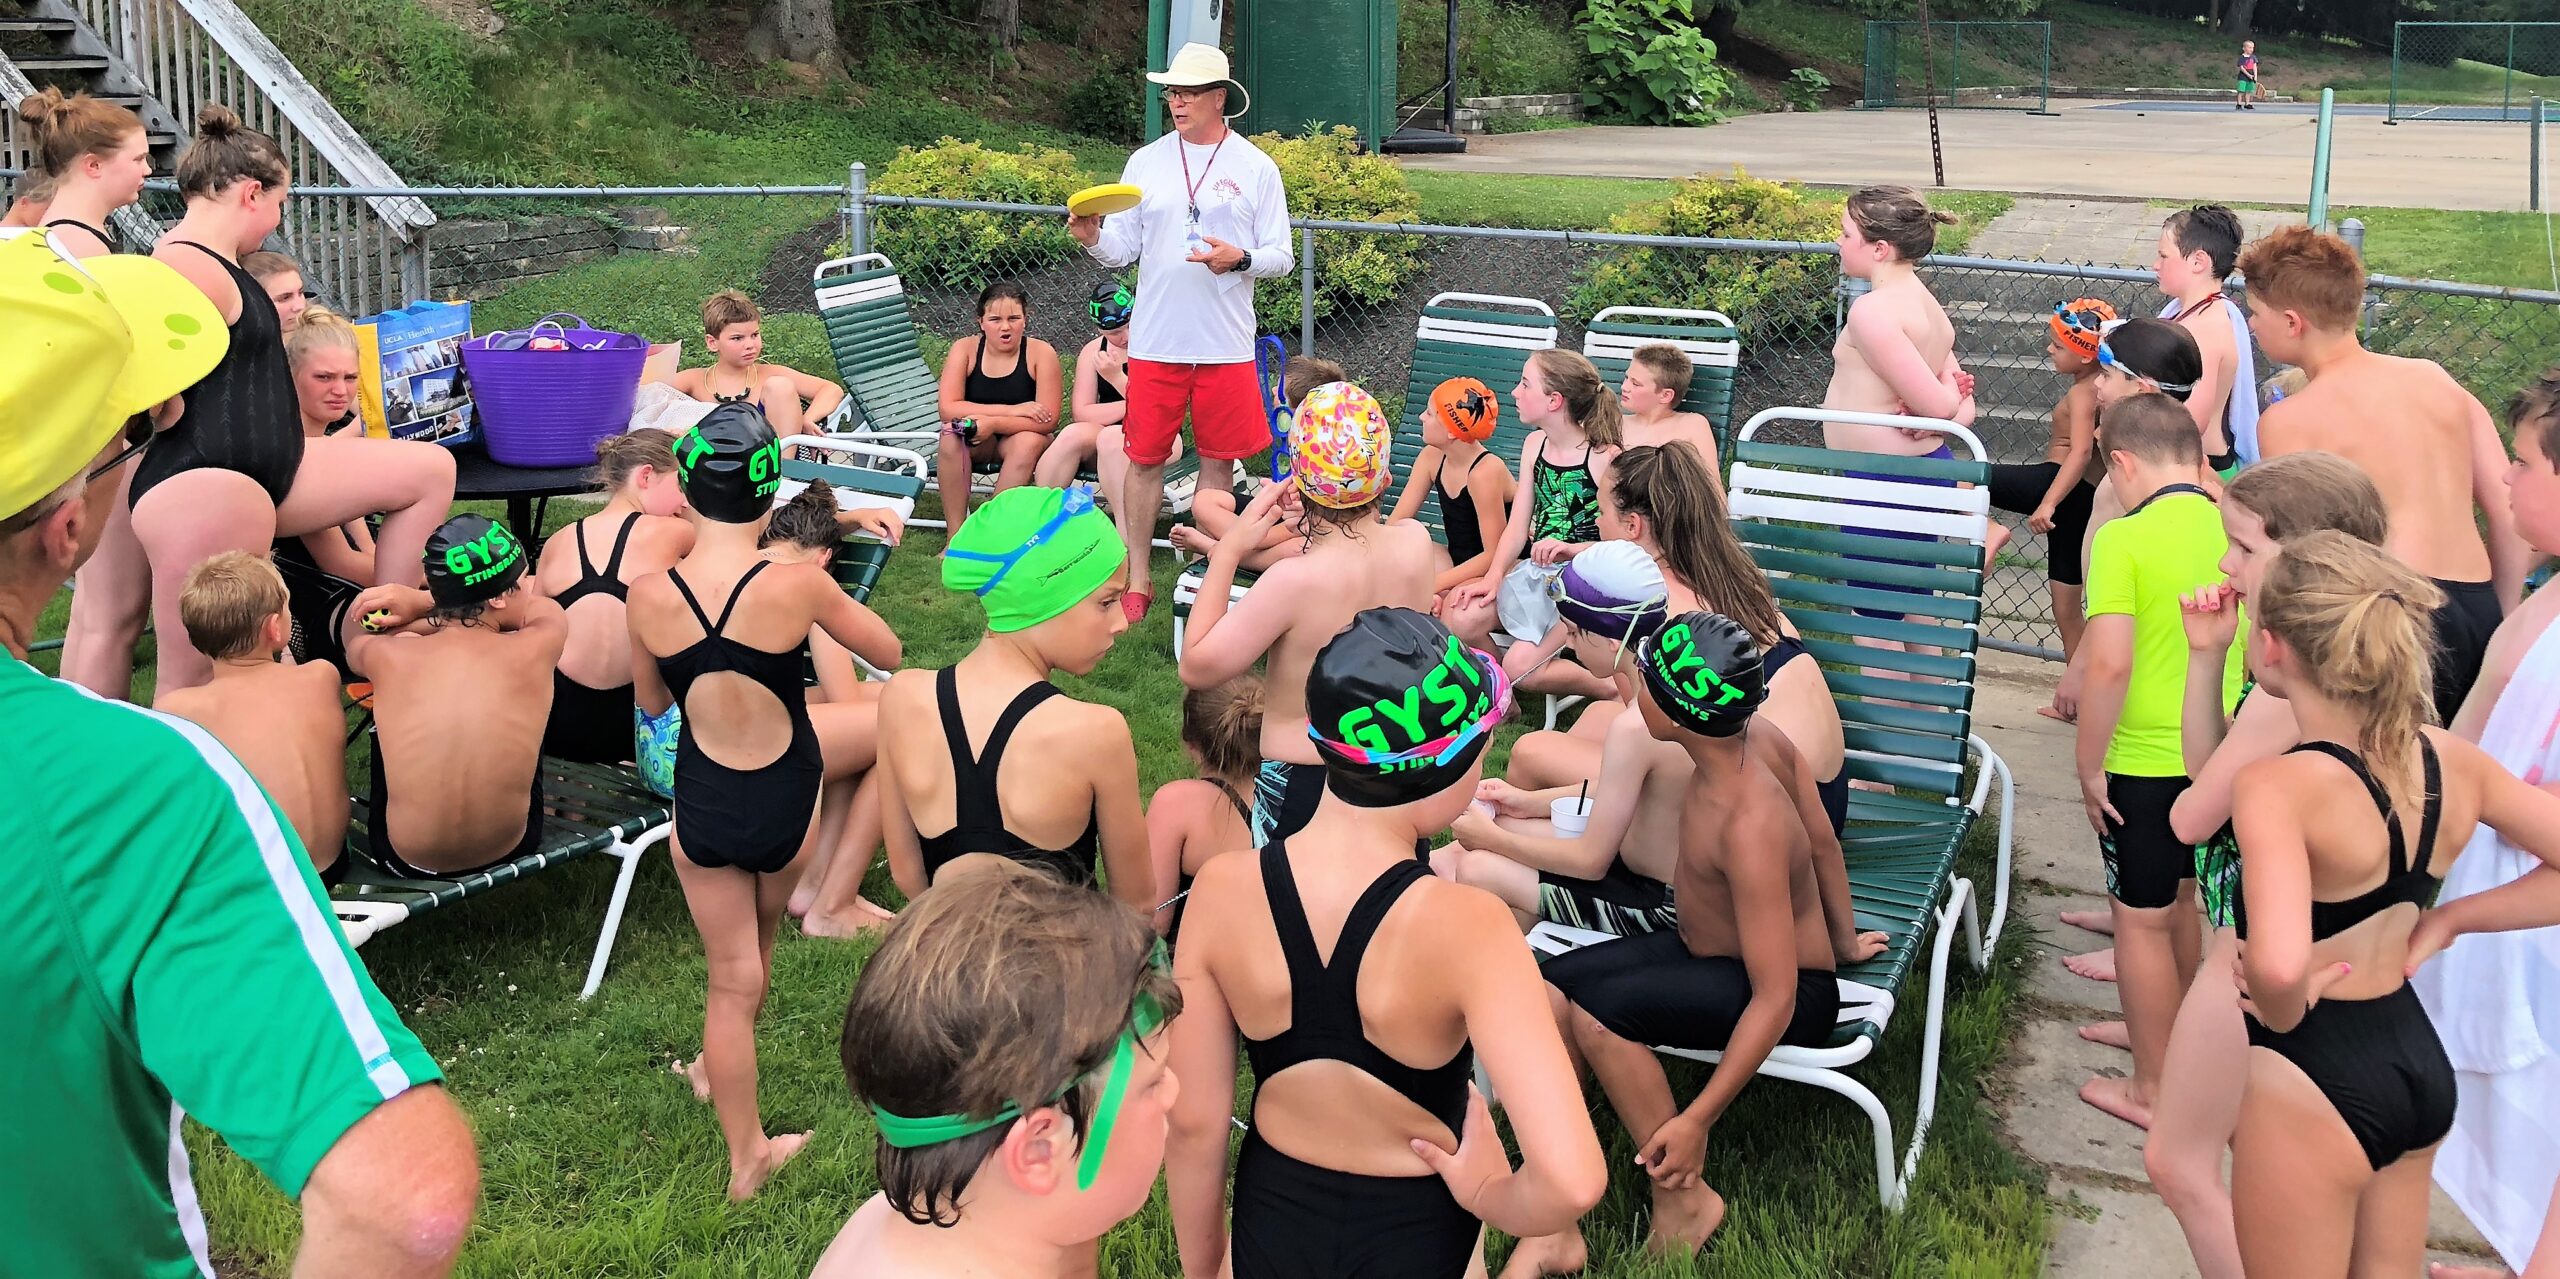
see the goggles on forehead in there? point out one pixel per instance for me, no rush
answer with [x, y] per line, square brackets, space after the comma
[1146, 1017]
[1079, 500]
[2107, 360]
[2084, 321]
[1440, 750]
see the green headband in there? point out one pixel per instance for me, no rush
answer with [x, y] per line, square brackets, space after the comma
[1032, 553]
[1146, 1017]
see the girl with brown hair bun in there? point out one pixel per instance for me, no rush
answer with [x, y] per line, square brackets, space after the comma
[97, 155]
[2344, 840]
[235, 471]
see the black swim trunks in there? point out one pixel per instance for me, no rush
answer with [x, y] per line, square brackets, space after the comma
[2468, 618]
[1620, 903]
[1651, 990]
[2143, 855]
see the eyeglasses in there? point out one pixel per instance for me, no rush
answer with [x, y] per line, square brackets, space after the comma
[2107, 360]
[136, 436]
[1439, 751]
[1146, 1017]
[1079, 500]
[1186, 93]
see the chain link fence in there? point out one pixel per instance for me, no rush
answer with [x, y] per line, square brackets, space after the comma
[2472, 70]
[2001, 66]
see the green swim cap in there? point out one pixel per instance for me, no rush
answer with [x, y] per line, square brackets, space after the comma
[1032, 553]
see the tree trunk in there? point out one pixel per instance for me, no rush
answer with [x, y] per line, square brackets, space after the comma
[1002, 20]
[2237, 16]
[801, 31]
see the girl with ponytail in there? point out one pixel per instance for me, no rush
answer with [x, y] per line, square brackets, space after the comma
[2343, 842]
[234, 471]
[1575, 428]
[96, 155]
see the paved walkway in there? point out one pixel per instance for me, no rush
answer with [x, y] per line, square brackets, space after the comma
[2101, 232]
[2085, 149]
[2107, 1223]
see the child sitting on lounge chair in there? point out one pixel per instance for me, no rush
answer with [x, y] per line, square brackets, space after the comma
[1214, 511]
[461, 676]
[587, 568]
[1473, 482]
[281, 718]
[796, 403]
[1658, 377]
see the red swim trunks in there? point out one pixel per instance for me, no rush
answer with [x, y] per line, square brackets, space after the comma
[1225, 400]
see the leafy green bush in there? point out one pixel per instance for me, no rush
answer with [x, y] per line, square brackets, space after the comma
[1767, 294]
[1804, 89]
[1106, 105]
[970, 247]
[1651, 64]
[1328, 178]
[1503, 48]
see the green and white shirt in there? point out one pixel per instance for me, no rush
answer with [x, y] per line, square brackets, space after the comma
[169, 953]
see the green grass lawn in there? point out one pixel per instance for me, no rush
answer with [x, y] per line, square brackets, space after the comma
[597, 1161]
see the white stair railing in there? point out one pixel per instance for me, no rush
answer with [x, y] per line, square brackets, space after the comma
[364, 254]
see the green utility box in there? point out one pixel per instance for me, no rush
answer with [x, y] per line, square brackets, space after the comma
[1322, 62]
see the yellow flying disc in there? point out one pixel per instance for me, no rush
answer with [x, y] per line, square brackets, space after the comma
[1101, 201]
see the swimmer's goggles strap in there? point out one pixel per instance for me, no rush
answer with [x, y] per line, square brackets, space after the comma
[1438, 750]
[1633, 611]
[1145, 1018]
[2107, 360]
[1079, 500]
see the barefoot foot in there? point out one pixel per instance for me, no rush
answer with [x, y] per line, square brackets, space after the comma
[2115, 1095]
[1190, 540]
[1683, 1219]
[2101, 922]
[1557, 1254]
[747, 1178]
[864, 916]
[2097, 965]
[694, 1073]
[2056, 712]
[2110, 1033]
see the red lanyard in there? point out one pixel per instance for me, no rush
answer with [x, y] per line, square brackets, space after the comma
[1191, 189]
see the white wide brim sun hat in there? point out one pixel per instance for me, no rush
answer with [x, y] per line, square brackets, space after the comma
[1200, 64]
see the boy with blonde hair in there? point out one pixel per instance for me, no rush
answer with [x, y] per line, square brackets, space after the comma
[1658, 377]
[796, 403]
[282, 718]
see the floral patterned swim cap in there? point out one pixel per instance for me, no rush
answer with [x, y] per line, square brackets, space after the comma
[1342, 450]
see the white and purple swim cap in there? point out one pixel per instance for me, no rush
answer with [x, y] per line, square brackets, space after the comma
[1613, 590]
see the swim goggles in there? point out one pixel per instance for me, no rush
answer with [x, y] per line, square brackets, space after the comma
[1079, 500]
[1633, 611]
[1146, 1017]
[2107, 360]
[1440, 750]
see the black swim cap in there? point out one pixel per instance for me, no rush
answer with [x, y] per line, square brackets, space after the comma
[730, 464]
[1401, 709]
[1703, 670]
[472, 559]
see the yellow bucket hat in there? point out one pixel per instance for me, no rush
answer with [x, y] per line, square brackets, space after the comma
[95, 342]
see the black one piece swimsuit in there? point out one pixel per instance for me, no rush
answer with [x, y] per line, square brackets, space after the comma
[1295, 1219]
[755, 818]
[244, 415]
[1834, 790]
[981, 828]
[2379, 1060]
[592, 725]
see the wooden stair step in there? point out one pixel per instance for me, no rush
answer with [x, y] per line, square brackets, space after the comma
[36, 64]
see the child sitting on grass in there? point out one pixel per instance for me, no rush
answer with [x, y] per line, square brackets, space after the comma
[1340, 467]
[1196, 818]
[461, 677]
[1658, 377]
[1475, 499]
[281, 718]
[1009, 1039]
[796, 403]
[1214, 511]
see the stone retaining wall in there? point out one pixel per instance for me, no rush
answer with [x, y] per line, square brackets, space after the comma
[473, 258]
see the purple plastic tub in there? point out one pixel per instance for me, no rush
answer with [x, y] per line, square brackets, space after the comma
[549, 408]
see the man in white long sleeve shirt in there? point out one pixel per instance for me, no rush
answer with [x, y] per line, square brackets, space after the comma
[1212, 221]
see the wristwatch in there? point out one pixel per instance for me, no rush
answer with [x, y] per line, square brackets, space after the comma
[1244, 263]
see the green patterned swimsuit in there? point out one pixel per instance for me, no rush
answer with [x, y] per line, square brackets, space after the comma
[1564, 501]
[2218, 859]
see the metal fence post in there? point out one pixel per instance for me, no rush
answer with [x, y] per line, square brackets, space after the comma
[2320, 161]
[2391, 114]
[857, 209]
[2507, 104]
[2533, 159]
[2352, 231]
[1306, 290]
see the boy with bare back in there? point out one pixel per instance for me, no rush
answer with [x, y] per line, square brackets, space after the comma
[1754, 961]
[733, 329]
[1657, 379]
[280, 717]
[1340, 448]
[2427, 443]
[461, 677]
